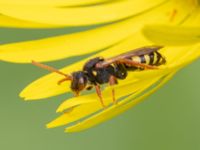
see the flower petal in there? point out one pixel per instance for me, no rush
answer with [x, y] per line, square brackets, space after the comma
[45, 87]
[53, 2]
[90, 108]
[194, 18]
[133, 83]
[172, 35]
[86, 105]
[60, 47]
[10, 22]
[79, 16]
[113, 111]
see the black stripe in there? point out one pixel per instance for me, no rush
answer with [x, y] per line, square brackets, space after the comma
[158, 58]
[151, 57]
[142, 59]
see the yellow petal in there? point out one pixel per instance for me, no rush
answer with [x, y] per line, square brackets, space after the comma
[53, 2]
[113, 111]
[45, 87]
[6, 21]
[189, 56]
[84, 110]
[194, 19]
[89, 41]
[144, 80]
[80, 111]
[172, 35]
[77, 16]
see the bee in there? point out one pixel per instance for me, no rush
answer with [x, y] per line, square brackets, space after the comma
[98, 71]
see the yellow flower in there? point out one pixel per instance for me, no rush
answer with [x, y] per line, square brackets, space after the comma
[123, 25]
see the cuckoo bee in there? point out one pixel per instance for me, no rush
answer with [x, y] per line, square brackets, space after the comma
[98, 71]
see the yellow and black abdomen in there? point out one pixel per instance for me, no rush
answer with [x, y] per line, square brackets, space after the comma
[153, 59]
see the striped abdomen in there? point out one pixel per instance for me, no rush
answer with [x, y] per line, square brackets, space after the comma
[154, 59]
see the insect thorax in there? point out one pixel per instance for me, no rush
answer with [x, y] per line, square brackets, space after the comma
[97, 75]
[102, 75]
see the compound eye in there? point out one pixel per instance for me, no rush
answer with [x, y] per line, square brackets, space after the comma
[79, 81]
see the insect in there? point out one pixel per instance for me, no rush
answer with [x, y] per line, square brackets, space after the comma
[98, 71]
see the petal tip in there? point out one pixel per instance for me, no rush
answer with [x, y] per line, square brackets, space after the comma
[49, 125]
[59, 110]
[67, 130]
[23, 97]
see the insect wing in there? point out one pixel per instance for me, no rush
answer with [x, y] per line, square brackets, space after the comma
[135, 52]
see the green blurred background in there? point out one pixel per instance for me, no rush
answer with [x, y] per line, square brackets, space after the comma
[167, 120]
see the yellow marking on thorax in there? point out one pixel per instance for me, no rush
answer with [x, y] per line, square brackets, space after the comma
[94, 73]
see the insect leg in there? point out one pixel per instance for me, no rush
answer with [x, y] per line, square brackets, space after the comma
[112, 81]
[98, 91]
[136, 64]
